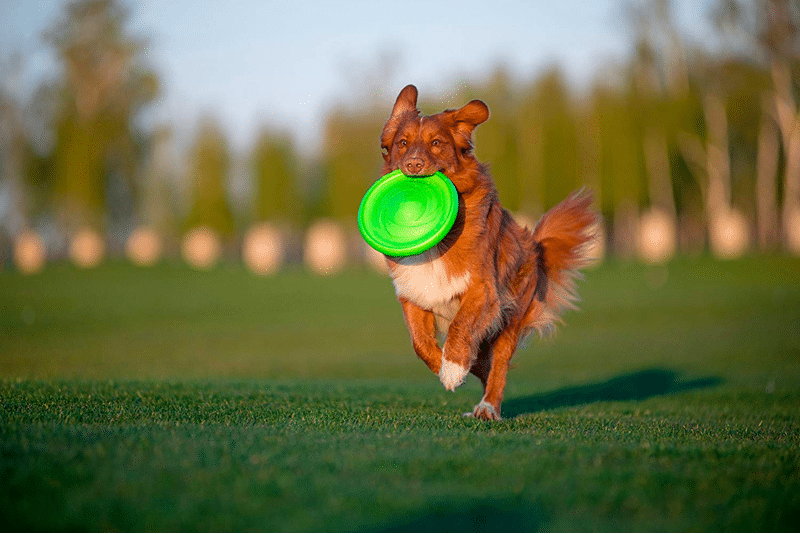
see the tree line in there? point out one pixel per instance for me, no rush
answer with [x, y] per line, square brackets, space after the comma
[704, 144]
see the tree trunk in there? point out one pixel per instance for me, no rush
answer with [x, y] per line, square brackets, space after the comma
[717, 160]
[657, 237]
[766, 170]
[788, 119]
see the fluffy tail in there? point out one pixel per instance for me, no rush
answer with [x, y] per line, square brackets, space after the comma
[562, 239]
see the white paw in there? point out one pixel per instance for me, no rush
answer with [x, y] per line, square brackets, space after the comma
[484, 410]
[452, 375]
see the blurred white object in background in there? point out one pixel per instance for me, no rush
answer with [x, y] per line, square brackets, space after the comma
[144, 246]
[792, 230]
[263, 250]
[29, 252]
[325, 248]
[87, 248]
[657, 236]
[729, 234]
[201, 248]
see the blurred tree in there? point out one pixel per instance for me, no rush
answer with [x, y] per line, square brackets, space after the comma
[660, 53]
[621, 164]
[158, 200]
[766, 32]
[766, 190]
[495, 140]
[659, 78]
[754, 146]
[779, 36]
[351, 160]
[14, 152]
[104, 85]
[276, 171]
[208, 167]
[557, 119]
[667, 111]
[528, 128]
[39, 116]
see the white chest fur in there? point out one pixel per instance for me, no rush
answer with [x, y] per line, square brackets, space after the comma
[423, 279]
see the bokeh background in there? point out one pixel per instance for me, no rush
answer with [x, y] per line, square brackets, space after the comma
[211, 132]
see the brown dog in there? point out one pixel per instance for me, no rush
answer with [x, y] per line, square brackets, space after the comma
[489, 282]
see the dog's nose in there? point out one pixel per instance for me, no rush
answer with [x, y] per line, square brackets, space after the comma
[414, 165]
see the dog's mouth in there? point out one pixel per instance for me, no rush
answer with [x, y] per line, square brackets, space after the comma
[424, 174]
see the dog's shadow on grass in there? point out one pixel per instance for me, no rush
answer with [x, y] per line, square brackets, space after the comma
[486, 515]
[631, 387]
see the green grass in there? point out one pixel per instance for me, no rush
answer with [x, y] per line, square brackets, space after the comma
[167, 399]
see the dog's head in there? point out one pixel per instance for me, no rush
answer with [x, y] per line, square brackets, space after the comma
[421, 145]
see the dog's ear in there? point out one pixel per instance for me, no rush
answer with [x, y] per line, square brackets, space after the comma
[465, 120]
[406, 104]
[406, 101]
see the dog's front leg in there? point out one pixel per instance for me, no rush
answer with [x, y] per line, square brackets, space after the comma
[422, 327]
[479, 311]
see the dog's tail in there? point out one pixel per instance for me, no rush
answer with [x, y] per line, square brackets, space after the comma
[562, 241]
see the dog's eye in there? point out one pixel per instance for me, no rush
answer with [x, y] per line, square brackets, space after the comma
[435, 142]
[403, 142]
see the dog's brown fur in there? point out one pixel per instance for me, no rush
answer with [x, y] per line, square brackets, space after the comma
[490, 281]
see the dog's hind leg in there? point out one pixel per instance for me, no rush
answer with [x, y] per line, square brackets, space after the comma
[494, 384]
[483, 362]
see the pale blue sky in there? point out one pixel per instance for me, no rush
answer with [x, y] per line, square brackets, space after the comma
[285, 64]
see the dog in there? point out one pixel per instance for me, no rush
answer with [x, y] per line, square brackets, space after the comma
[490, 282]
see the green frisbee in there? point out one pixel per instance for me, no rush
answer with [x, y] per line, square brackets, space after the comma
[404, 215]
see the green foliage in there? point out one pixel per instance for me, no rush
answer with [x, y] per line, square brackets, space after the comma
[744, 85]
[275, 168]
[622, 161]
[496, 140]
[352, 160]
[208, 178]
[80, 171]
[103, 89]
[557, 116]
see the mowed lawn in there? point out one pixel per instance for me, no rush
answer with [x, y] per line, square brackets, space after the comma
[167, 399]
